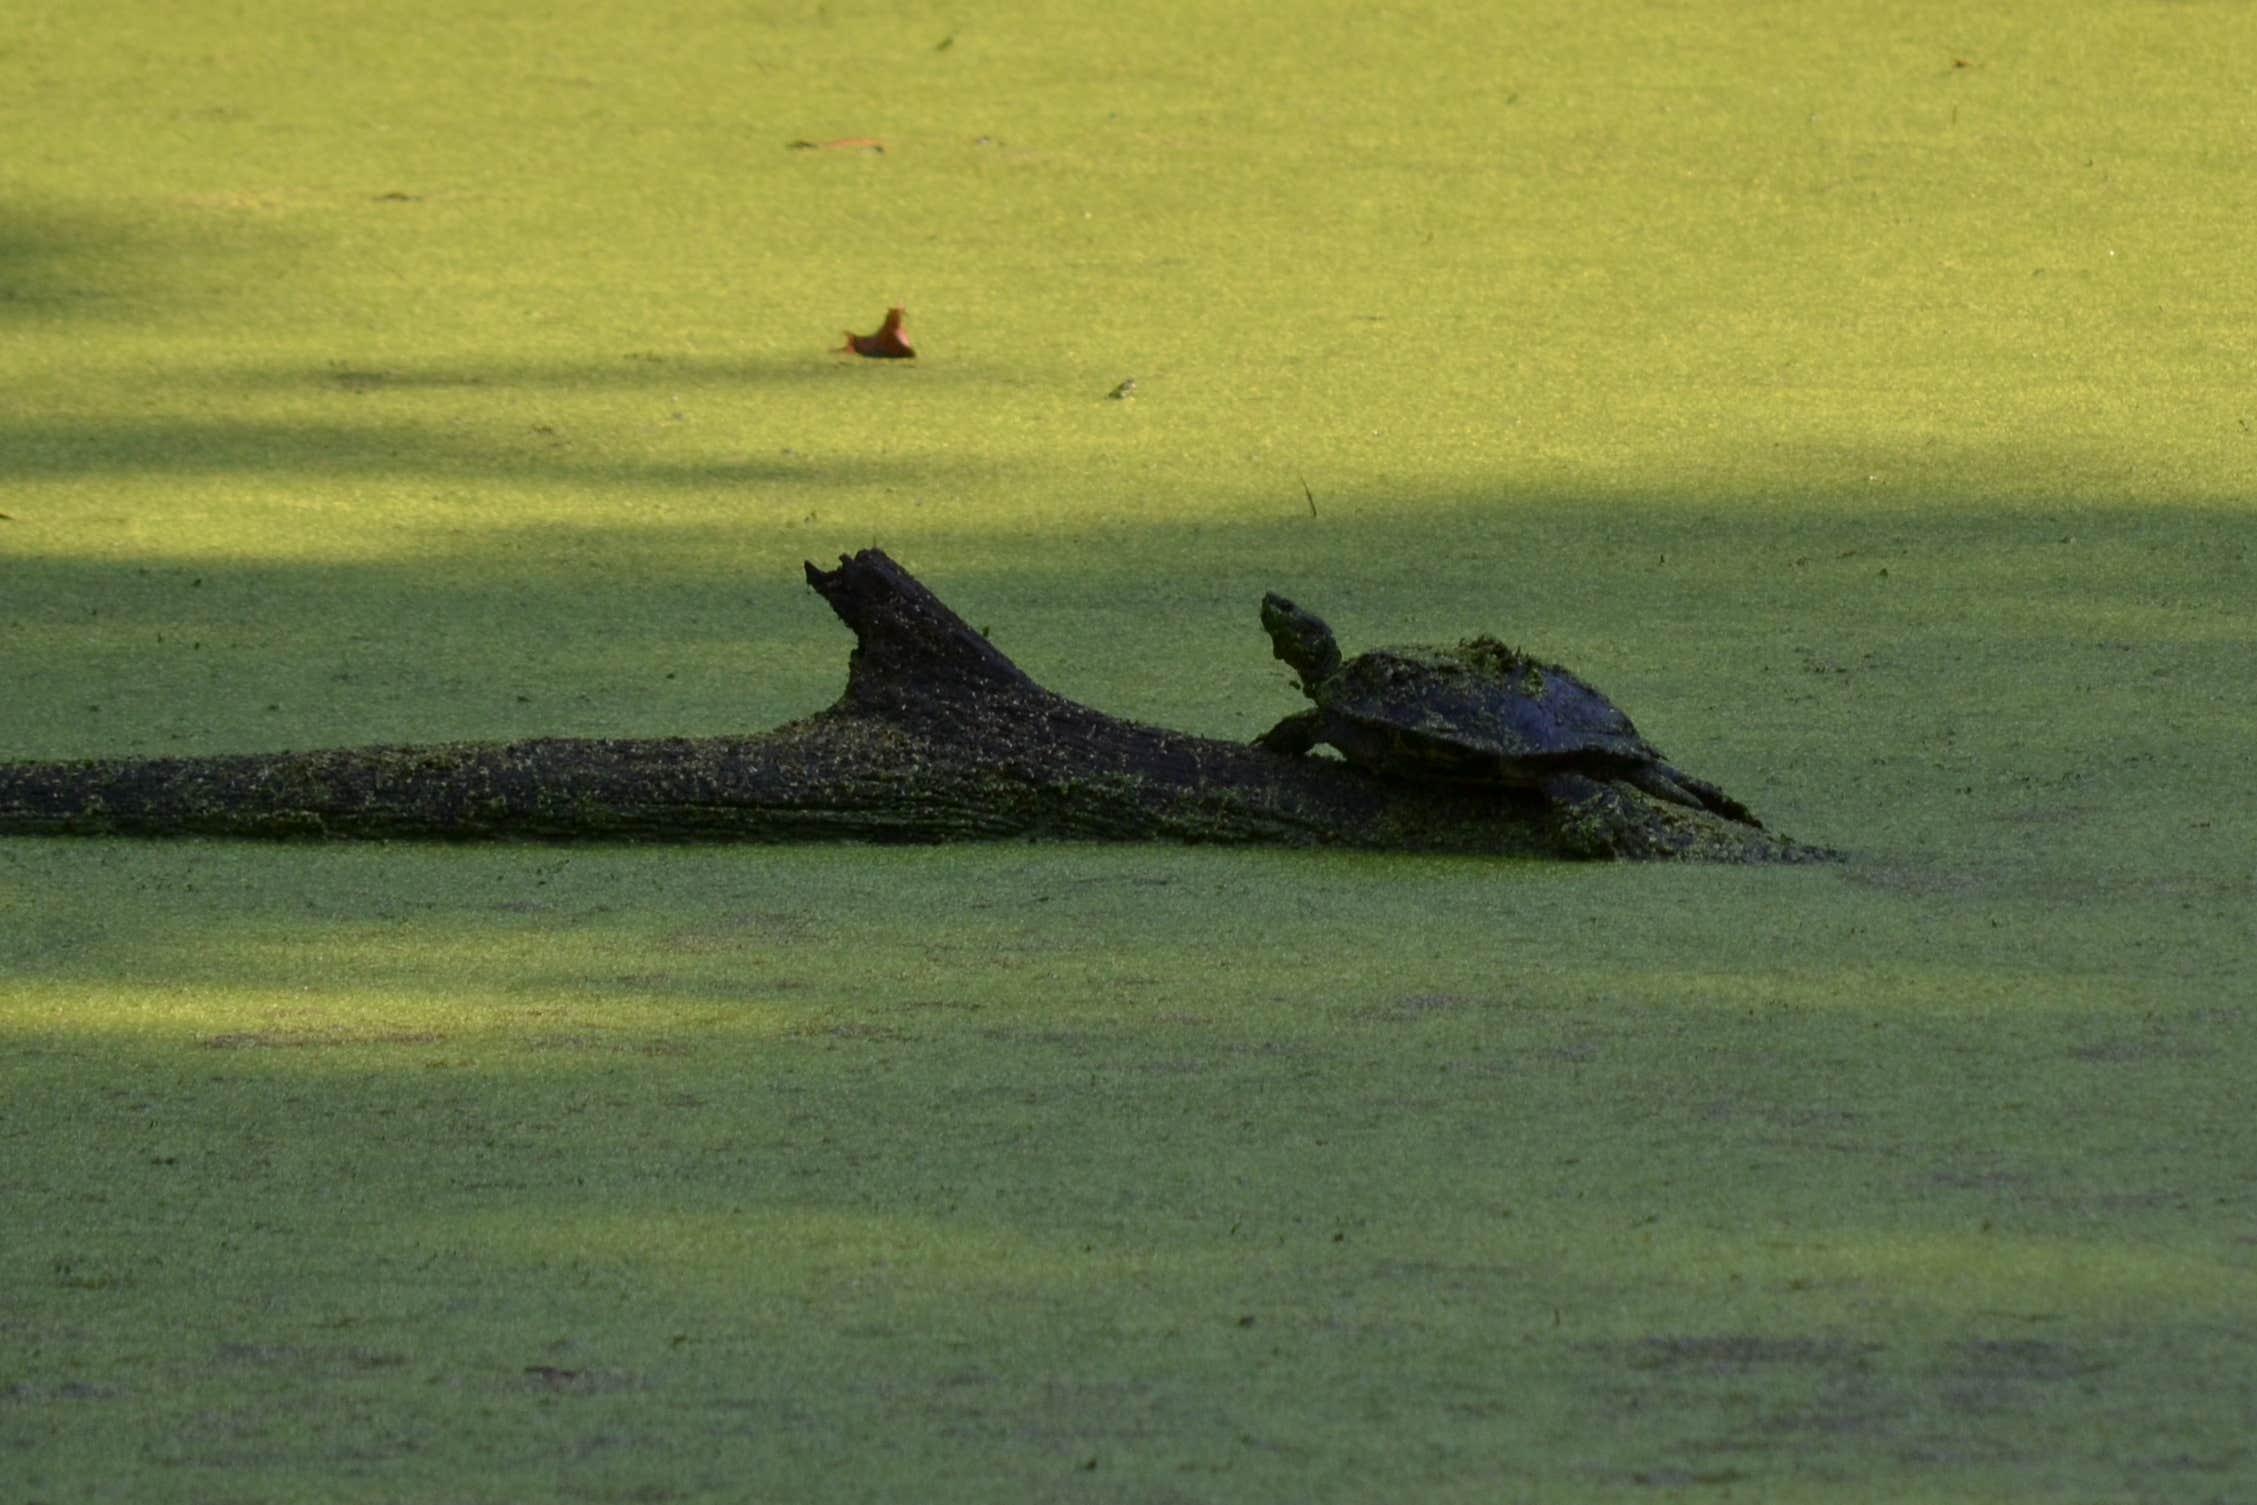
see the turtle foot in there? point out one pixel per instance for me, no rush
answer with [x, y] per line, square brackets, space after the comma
[1292, 737]
[1681, 788]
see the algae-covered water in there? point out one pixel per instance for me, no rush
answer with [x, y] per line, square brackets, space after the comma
[1863, 397]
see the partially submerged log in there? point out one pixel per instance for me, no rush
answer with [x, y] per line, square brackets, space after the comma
[938, 737]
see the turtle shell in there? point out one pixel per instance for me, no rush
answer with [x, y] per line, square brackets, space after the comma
[1479, 710]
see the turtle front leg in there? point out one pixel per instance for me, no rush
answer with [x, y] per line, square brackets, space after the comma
[1294, 736]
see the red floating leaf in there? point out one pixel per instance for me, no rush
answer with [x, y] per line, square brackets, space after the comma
[888, 344]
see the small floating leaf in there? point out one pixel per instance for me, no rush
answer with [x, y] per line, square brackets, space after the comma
[890, 343]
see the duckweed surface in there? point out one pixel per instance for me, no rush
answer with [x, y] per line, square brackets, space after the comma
[1861, 396]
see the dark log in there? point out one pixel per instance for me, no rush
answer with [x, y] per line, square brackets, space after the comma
[938, 737]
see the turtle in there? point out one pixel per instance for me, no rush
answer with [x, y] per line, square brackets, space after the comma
[1477, 714]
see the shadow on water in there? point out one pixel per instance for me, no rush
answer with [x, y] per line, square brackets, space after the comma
[47, 450]
[612, 422]
[64, 263]
[1742, 615]
[52, 265]
[947, 1048]
[2067, 678]
[634, 370]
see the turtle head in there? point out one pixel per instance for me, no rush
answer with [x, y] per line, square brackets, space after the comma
[1301, 639]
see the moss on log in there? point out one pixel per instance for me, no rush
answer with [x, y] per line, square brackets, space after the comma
[938, 737]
